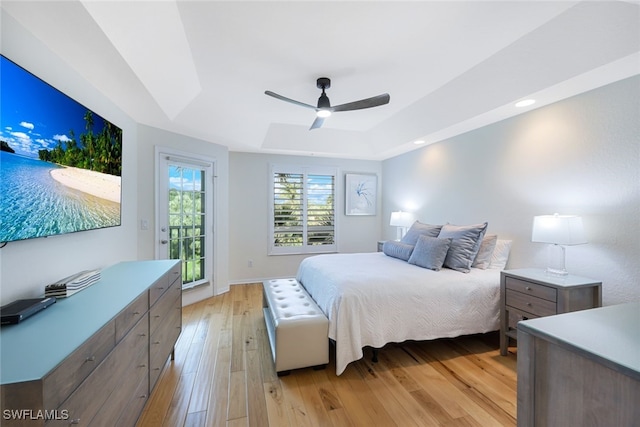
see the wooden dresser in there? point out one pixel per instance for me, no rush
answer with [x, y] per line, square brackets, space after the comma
[529, 293]
[581, 368]
[93, 358]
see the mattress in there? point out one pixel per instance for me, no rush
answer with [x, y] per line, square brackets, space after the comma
[372, 299]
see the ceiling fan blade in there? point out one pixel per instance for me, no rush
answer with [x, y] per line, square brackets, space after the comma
[374, 101]
[317, 123]
[292, 101]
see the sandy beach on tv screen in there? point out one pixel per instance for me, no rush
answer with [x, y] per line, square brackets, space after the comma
[95, 183]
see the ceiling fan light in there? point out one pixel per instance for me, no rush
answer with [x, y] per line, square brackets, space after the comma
[323, 113]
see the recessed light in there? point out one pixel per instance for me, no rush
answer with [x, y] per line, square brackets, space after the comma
[525, 103]
[419, 142]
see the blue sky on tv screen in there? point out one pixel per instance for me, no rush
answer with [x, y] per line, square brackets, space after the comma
[35, 115]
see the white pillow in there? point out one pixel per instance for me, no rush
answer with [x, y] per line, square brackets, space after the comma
[500, 254]
[483, 259]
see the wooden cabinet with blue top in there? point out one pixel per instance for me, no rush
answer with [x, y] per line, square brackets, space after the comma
[580, 368]
[89, 358]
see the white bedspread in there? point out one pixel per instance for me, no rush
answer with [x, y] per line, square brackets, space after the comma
[372, 299]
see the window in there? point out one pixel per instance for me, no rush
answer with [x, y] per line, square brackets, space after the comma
[303, 210]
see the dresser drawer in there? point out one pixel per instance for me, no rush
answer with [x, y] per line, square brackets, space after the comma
[108, 378]
[130, 415]
[529, 304]
[175, 273]
[161, 345]
[131, 314]
[169, 302]
[530, 288]
[125, 392]
[67, 376]
[162, 284]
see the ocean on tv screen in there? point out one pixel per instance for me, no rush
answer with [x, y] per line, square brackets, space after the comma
[61, 162]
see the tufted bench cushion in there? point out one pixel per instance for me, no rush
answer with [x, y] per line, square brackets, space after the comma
[298, 330]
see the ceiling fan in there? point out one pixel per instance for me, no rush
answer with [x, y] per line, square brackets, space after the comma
[324, 108]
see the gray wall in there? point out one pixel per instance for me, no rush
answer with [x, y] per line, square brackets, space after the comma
[579, 156]
[249, 211]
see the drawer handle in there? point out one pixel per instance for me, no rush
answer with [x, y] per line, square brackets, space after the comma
[142, 335]
[528, 304]
[156, 369]
[156, 316]
[157, 342]
[90, 359]
[75, 421]
[143, 396]
[142, 366]
[161, 287]
[135, 313]
[528, 288]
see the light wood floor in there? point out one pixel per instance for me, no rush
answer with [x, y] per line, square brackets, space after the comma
[223, 375]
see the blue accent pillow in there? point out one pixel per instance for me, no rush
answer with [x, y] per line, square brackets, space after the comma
[419, 229]
[430, 252]
[396, 249]
[466, 240]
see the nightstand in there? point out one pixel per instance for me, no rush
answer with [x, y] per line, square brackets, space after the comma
[380, 245]
[529, 293]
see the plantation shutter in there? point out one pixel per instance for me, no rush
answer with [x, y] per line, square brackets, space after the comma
[303, 210]
[288, 205]
[320, 210]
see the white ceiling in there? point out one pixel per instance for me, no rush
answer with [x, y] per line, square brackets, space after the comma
[200, 68]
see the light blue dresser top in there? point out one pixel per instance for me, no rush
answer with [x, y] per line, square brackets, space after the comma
[33, 347]
[609, 335]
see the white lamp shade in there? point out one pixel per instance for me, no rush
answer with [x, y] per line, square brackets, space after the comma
[558, 229]
[402, 219]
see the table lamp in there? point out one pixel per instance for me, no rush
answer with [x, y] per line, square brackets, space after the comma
[402, 220]
[559, 231]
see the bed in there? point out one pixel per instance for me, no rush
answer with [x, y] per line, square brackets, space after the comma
[372, 299]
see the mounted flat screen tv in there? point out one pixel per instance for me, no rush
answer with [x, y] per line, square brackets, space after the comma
[60, 162]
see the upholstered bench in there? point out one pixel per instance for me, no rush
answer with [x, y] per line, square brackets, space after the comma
[298, 330]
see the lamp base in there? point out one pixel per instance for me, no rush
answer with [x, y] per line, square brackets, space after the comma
[555, 272]
[556, 262]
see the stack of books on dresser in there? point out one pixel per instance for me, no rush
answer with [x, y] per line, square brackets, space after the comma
[70, 285]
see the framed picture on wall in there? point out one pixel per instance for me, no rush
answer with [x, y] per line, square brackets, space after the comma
[361, 194]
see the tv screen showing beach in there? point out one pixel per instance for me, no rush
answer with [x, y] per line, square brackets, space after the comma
[60, 162]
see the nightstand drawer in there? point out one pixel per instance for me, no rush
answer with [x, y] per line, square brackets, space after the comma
[527, 303]
[530, 288]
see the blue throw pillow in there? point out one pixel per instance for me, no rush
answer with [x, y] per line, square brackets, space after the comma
[430, 252]
[396, 249]
[466, 240]
[420, 229]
